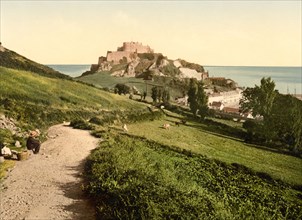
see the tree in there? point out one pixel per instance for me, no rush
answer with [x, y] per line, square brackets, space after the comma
[197, 98]
[260, 99]
[154, 94]
[121, 89]
[166, 96]
[202, 100]
[282, 116]
[159, 94]
[192, 96]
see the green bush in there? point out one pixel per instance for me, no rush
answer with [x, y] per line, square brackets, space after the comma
[81, 124]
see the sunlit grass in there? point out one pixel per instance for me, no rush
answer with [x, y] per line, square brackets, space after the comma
[195, 137]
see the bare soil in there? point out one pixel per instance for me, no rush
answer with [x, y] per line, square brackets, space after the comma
[48, 184]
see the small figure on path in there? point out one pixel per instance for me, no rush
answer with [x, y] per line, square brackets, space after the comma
[166, 126]
[33, 143]
[125, 128]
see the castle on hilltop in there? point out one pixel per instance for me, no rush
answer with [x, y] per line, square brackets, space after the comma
[128, 50]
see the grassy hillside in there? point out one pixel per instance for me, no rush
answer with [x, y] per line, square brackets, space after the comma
[210, 141]
[35, 101]
[105, 80]
[14, 60]
[136, 178]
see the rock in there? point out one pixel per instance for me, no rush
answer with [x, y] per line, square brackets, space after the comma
[6, 151]
[17, 144]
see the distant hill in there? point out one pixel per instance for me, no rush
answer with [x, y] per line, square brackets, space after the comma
[11, 59]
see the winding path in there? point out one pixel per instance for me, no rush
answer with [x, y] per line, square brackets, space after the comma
[48, 184]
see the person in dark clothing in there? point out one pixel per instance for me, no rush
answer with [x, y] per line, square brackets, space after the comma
[32, 143]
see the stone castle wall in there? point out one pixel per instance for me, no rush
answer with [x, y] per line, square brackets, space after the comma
[115, 57]
[135, 47]
[127, 50]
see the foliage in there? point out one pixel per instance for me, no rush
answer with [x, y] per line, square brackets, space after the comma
[192, 96]
[202, 100]
[197, 98]
[259, 99]
[81, 124]
[194, 66]
[170, 70]
[154, 93]
[5, 166]
[148, 56]
[132, 178]
[282, 116]
[166, 96]
[122, 89]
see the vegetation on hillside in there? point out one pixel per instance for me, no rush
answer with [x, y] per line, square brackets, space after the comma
[282, 116]
[197, 98]
[133, 178]
[11, 59]
[35, 101]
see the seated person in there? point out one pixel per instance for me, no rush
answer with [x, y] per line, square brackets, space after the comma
[33, 143]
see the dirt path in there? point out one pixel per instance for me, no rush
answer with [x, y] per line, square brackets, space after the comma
[48, 184]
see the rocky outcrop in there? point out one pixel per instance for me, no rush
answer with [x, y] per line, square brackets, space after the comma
[9, 124]
[136, 60]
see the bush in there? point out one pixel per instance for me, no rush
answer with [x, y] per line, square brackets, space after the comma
[122, 89]
[81, 124]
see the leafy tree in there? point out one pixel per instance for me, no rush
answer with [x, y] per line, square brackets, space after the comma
[197, 98]
[260, 99]
[154, 94]
[282, 116]
[202, 100]
[121, 89]
[166, 96]
[159, 94]
[192, 96]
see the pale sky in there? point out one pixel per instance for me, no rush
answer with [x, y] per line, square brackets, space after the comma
[239, 33]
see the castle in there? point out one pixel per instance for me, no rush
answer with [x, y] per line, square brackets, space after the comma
[128, 50]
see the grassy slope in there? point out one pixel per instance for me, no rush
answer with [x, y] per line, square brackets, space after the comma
[105, 80]
[11, 59]
[30, 87]
[133, 178]
[196, 138]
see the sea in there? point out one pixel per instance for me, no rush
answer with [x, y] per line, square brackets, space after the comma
[288, 80]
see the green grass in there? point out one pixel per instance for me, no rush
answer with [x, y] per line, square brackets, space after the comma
[35, 101]
[133, 178]
[22, 85]
[198, 138]
[105, 80]
[5, 166]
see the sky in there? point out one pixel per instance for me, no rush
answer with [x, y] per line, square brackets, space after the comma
[227, 33]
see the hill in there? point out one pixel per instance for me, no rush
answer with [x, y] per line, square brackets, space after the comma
[136, 65]
[136, 60]
[11, 59]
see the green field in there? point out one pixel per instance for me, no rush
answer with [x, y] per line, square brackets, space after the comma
[136, 178]
[199, 138]
[105, 80]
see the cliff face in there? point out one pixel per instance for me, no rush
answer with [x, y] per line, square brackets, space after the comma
[136, 60]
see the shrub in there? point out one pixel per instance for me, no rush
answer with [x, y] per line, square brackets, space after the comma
[81, 124]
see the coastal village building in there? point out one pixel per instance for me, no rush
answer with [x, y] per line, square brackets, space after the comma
[229, 99]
